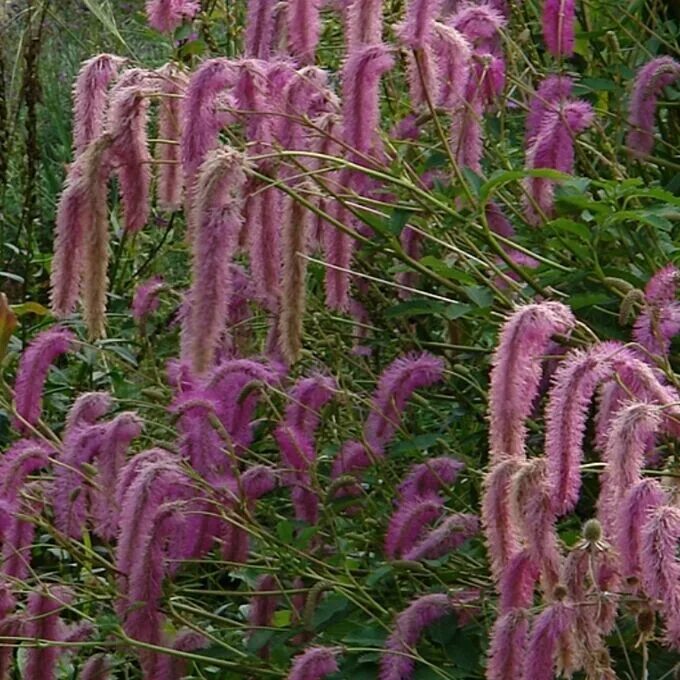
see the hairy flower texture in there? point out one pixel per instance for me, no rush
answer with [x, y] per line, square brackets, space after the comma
[453, 53]
[218, 218]
[517, 372]
[408, 524]
[430, 477]
[553, 148]
[517, 582]
[650, 80]
[34, 366]
[258, 92]
[90, 97]
[397, 662]
[305, 401]
[532, 512]
[558, 19]
[661, 567]
[81, 225]
[97, 667]
[18, 533]
[315, 663]
[260, 28]
[126, 123]
[642, 499]
[397, 384]
[551, 643]
[170, 181]
[659, 321]
[481, 24]
[632, 429]
[304, 28]
[447, 537]
[507, 646]
[338, 248]
[364, 24]
[263, 605]
[466, 131]
[294, 243]
[145, 301]
[86, 410]
[552, 94]
[361, 76]
[502, 534]
[416, 30]
[200, 119]
[167, 15]
[21, 459]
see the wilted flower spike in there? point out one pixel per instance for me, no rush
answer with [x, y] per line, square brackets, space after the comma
[32, 373]
[649, 82]
[396, 663]
[558, 26]
[314, 663]
[167, 15]
[661, 567]
[218, 212]
[395, 387]
[517, 372]
[89, 98]
[507, 647]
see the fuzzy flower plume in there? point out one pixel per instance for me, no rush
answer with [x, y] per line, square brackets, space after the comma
[315, 663]
[558, 18]
[416, 30]
[97, 667]
[453, 54]
[659, 321]
[126, 123]
[201, 120]
[445, 538]
[361, 76]
[21, 459]
[517, 582]
[145, 301]
[661, 566]
[502, 534]
[294, 245]
[170, 181]
[34, 365]
[167, 15]
[364, 24]
[507, 647]
[553, 148]
[260, 28]
[304, 27]
[396, 385]
[89, 98]
[551, 645]
[408, 524]
[632, 429]
[81, 234]
[86, 410]
[650, 80]
[218, 213]
[553, 92]
[517, 372]
[481, 24]
[397, 662]
[638, 503]
[429, 477]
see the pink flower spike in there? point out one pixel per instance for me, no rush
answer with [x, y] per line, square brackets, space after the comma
[453, 53]
[429, 477]
[34, 365]
[517, 372]
[89, 98]
[517, 582]
[416, 30]
[553, 92]
[481, 24]
[650, 80]
[408, 524]
[558, 20]
[260, 28]
[315, 663]
[304, 27]
[447, 537]
[364, 24]
[167, 15]
[145, 301]
[507, 647]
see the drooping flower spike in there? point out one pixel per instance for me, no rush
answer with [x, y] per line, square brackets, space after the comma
[167, 15]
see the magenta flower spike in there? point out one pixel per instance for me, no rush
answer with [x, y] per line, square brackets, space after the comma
[167, 15]
[551, 643]
[338, 248]
[416, 30]
[306, 399]
[453, 53]
[558, 18]
[650, 81]
[263, 605]
[507, 647]
[90, 98]
[97, 667]
[430, 477]
[554, 149]
[396, 385]
[145, 301]
[32, 372]
[361, 76]
[218, 218]
[517, 582]
[552, 94]
[466, 138]
[517, 371]
[661, 567]
[21, 459]
[260, 28]
[397, 663]
[315, 663]
[481, 24]
[407, 525]
[304, 28]
[451, 533]
[364, 24]
[86, 410]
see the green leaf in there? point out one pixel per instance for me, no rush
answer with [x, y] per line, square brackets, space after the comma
[418, 307]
